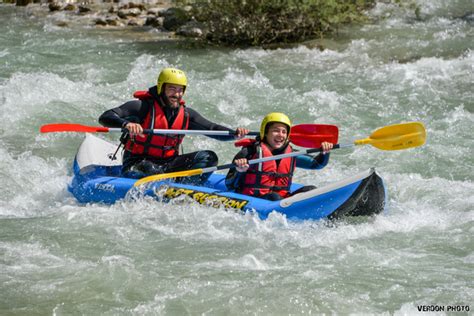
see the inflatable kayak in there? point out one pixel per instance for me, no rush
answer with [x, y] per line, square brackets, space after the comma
[97, 179]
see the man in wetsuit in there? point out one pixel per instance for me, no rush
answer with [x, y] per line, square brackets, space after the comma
[162, 107]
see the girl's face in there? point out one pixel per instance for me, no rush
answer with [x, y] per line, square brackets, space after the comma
[276, 135]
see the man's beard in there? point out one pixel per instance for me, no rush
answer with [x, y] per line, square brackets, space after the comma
[168, 103]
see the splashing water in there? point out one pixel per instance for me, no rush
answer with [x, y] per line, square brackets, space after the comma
[142, 257]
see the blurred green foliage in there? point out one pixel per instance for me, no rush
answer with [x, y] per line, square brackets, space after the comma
[261, 22]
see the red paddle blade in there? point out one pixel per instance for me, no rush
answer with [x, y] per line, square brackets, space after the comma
[312, 135]
[66, 127]
[306, 135]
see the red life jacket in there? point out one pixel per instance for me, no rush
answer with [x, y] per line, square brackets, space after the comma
[158, 146]
[268, 177]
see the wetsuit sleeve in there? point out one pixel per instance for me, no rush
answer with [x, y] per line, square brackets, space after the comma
[198, 122]
[130, 111]
[233, 177]
[310, 162]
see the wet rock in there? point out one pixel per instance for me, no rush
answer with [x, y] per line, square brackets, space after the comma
[117, 13]
[134, 22]
[132, 5]
[174, 18]
[192, 29]
[140, 6]
[154, 11]
[154, 21]
[54, 6]
[101, 21]
[113, 21]
[22, 3]
[125, 13]
[83, 9]
[69, 7]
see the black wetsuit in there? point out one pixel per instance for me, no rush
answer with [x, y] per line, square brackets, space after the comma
[138, 166]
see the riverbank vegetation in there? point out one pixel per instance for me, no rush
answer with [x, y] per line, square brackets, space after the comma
[262, 22]
[241, 23]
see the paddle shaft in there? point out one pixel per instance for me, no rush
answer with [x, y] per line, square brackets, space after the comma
[176, 131]
[301, 130]
[303, 135]
[277, 157]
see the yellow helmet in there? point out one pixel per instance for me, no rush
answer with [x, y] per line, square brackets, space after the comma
[274, 117]
[173, 76]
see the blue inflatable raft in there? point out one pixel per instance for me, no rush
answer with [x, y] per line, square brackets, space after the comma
[97, 179]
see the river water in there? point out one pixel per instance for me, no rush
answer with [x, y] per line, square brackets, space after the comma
[59, 257]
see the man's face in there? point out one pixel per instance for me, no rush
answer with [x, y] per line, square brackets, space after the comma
[174, 93]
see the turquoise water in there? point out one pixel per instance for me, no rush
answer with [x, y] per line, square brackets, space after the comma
[133, 258]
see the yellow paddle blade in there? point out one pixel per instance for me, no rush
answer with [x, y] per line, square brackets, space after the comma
[396, 137]
[162, 176]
